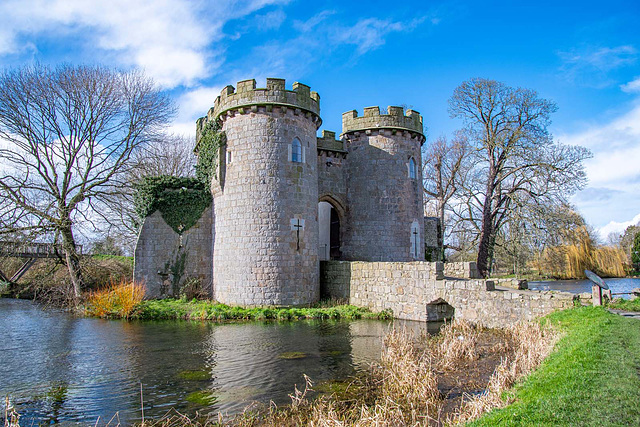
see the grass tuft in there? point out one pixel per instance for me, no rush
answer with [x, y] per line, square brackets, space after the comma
[118, 300]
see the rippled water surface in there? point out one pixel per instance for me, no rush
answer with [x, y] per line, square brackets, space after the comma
[59, 368]
[579, 286]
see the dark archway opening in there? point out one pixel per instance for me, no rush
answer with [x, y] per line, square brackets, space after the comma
[439, 310]
[329, 231]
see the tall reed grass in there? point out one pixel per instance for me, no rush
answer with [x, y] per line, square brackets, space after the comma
[119, 300]
[531, 343]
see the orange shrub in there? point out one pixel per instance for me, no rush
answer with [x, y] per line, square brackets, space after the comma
[116, 300]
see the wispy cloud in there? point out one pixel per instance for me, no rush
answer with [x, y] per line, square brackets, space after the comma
[318, 37]
[370, 33]
[592, 66]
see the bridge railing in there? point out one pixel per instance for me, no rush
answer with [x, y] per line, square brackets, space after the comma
[36, 250]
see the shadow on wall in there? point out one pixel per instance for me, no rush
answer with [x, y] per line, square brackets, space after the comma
[335, 282]
[439, 310]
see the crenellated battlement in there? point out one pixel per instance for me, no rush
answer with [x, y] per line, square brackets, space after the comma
[247, 97]
[372, 119]
[328, 142]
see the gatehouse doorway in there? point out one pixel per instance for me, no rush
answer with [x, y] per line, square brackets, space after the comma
[329, 232]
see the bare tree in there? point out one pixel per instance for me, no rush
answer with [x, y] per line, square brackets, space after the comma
[166, 154]
[444, 166]
[69, 134]
[515, 155]
[169, 154]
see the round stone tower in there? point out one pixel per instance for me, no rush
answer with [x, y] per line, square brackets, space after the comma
[385, 219]
[265, 195]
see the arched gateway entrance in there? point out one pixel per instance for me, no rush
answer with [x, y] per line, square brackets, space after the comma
[329, 231]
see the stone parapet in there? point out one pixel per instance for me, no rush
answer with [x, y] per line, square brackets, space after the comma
[330, 144]
[395, 120]
[246, 97]
[418, 291]
[461, 270]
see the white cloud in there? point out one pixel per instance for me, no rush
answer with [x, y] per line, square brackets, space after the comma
[370, 33]
[616, 149]
[191, 106]
[613, 194]
[631, 87]
[170, 39]
[617, 227]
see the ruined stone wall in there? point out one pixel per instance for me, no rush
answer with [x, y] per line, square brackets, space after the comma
[261, 257]
[384, 202]
[164, 260]
[412, 290]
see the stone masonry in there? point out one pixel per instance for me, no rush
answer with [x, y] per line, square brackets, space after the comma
[420, 291]
[164, 260]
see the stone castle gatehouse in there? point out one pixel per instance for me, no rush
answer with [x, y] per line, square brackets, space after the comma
[285, 199]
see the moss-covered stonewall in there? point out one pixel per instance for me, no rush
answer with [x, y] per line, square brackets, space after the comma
[180, 200]
[207, 148]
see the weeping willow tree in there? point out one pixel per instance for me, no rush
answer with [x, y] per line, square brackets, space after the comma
[568, 261]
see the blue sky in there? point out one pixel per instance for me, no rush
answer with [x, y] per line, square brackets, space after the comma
[583, 55]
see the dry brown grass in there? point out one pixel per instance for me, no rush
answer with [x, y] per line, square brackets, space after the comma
[116, 300]
[532, 344]
[457, 341]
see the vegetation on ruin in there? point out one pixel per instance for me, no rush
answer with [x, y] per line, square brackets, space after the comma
[207, 148]
[180, 200]
[590, 378]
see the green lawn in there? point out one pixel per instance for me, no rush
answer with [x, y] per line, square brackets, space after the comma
[629, 305]
[591, 378]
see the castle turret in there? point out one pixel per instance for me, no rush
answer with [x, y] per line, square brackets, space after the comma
[265, 195]
[384, 179]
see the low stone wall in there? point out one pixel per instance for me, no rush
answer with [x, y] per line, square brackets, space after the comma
[164, 260]
[461, 270]
[419, 291]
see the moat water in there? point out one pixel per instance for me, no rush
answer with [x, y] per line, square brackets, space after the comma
[617, 285]
[57, 368]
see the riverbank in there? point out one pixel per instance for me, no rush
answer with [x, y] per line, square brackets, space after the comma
[628, 305]
[180, 309]
[125, 301]
[590, 378]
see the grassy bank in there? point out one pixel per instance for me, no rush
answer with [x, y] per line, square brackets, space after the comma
[125, 300]
[625, 304]
[211, 310]
[591, 378]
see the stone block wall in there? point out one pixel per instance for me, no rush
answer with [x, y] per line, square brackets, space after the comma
[385, 204]
[164, 260]
[418, 291]
[461, 270]
[266, 228]
[332, 165]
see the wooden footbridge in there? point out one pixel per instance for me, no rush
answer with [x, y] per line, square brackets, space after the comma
[31, 252]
